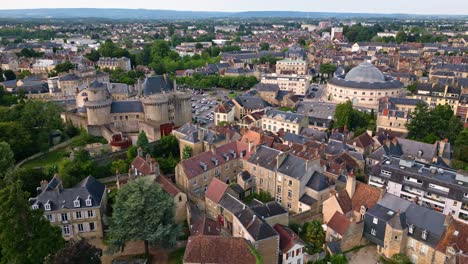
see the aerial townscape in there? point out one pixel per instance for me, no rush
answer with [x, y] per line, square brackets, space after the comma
[332, 132]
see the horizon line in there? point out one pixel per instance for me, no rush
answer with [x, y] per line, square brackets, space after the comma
[231, 12]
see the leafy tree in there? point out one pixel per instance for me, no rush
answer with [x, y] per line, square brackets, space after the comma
[430, 125]
[264, 46]
[142, 211]
[25, 235]
[327, 68]
[461, 146]
[398, 259]
[9, 75]
[74, 171]
[76, 252]
[338, 259]
[343, 113]
[143, 142]
[198, 46]
[23, 74]
[314, 234]
[119, 166]
[412, 87]
[401, 36]
[64, 67]
[30, 178]
[6, 158]
[131, 153]
[187, 152]
[93, 56]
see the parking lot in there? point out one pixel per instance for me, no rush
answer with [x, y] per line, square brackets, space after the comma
[204, 103]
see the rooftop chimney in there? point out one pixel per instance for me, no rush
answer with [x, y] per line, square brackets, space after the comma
[44, 184]
[351, 184]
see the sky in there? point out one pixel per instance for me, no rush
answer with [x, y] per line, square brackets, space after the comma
[452, 7]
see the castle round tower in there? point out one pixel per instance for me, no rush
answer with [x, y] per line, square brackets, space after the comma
[98, 104]
[183, 108]
[156, 108]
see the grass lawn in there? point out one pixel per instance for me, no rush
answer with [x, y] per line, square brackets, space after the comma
[49, 159]
[232, 95]
[177, 256]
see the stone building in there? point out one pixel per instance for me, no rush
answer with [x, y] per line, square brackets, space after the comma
[78, 211]
[298, 84]
[394, 113]
[158, 108]
[114, 63]
[364, 85]
[289, 66]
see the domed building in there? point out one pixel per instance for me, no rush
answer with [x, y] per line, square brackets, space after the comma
[364, 85]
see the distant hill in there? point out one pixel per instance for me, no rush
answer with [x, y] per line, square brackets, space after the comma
[172, 14]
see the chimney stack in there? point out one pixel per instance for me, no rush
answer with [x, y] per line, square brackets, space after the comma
[44, 184]
[351, 184]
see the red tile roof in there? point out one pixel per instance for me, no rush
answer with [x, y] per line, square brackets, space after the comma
[456, 236]
[362, 141]
[365, 195]
[216, 249]
[339, 223]
[287, 237]
[140, 164]
[167, 185]
[192, 166]
[344, 201]
[216, 190]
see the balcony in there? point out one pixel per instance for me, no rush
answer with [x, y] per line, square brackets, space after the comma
[433, 201]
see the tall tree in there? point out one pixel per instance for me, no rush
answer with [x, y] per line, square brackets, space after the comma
[430, 125]
[143, 142]
[142, 211]
[314, 234]
[343, 113]
[187, 152]
[9, 75]
[25, 235]
[76, 252]
[6, 158]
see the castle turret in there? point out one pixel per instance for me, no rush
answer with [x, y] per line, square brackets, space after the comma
[98, 104]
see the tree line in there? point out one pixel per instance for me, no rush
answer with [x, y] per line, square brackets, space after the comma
[209, 81]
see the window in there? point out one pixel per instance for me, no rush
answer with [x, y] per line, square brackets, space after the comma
[373, 232]
[216, 172]
[90, 213]
[80, 228]
[50, 218]
[76, 203]
[227, 167]
[289, 194]
[78, 215]
[47, 206]
[299, 261]
[204, 189]
[279, 190]
[411, 243]
[290, 183]
[411, 229]
[66, 230]
[261, 181]
[289, 206]
[64, 217]
[194, 182]
[92, 227]
[423, 250]
[180, 198]
[88, 201]
[204, 177]
[424, 235]
[35, 206]
[375, 221]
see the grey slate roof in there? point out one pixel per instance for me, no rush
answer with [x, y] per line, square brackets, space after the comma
[89, 187]
[290, 117]
[157, 84]
[318, 182]
[306, 199]
[294, 167]
[126, 107]
[269, 209]
[265, 157]
[251, 102]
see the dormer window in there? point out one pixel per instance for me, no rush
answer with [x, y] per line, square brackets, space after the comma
[424, 235]
[88, 201]
[47, 206]
[411, 229]
[76, 203]
[35, 206]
